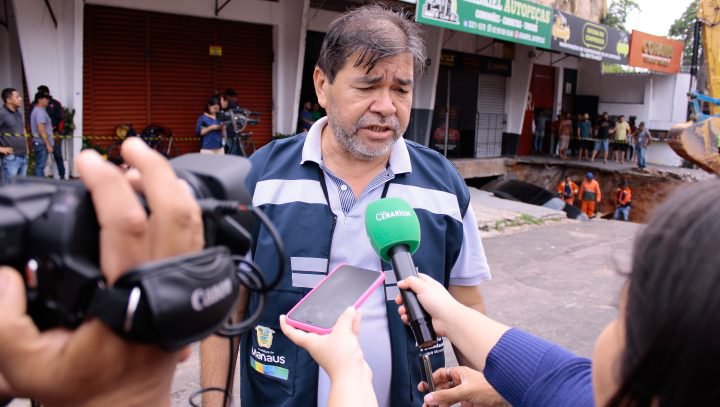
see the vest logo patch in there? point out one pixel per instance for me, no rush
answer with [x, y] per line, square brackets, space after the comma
[270, 370]
[264, 336]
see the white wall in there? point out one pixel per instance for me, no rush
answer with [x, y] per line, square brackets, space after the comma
[664, 101]
[682, 86]
[669, 100]
[626, 109]
[622, 89]
[11, 63]
[49, 53]
[612, 103]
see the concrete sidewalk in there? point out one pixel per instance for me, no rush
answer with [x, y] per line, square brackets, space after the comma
[493, 213]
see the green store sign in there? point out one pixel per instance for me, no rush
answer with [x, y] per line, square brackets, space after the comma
[519, 21]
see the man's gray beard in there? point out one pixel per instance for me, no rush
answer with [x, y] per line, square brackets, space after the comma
[349, 141]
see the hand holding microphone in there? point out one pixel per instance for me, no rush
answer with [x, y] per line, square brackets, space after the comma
[394, 232]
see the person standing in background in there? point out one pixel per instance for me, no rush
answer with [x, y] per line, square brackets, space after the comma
[632, 141]
[555, 133]
[643, 141]
[565, 130]
[541, 118]
[231, 96]
[13, 143]
[622, 130]
[306, 117]
[42, 131]
[210, 129]
[317, 112]
[590, 194]
[604, 128]
[623, 200]
[584, 134]
[56, 113]
[567, 190]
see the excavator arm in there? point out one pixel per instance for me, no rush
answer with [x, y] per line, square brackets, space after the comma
[697, 141]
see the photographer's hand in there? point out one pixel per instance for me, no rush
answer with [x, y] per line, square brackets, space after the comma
[91, 365]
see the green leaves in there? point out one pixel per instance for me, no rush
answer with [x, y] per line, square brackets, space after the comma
[618, 12]
[682, 29]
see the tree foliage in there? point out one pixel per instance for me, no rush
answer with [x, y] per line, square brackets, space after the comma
[618, 12]
[682, 29]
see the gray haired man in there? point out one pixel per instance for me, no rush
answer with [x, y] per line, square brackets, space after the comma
[315, 188]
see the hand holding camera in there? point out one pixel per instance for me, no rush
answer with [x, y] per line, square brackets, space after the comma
[92, 365]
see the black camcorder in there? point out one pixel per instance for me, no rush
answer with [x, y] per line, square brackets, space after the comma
[49, 231]
[237, 119]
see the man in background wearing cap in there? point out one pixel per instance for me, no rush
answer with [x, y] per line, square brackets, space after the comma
[42, 131]
[54, 110]
[231, 96]
[589, 194]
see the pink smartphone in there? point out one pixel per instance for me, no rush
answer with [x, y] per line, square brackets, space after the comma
[345, 286]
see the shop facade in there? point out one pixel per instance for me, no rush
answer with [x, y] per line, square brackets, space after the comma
[157, 62]
[490, 66]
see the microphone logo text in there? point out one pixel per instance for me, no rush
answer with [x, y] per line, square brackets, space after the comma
[381, 216]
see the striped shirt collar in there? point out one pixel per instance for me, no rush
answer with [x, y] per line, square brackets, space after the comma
[399, 156]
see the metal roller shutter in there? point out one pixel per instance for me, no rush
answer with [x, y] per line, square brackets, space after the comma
[153, 68]
[248, 69]
[491, 115]
[114, 72]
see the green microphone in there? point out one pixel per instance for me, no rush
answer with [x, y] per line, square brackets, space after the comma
[394, 232]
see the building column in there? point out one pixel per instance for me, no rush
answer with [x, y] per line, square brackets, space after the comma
[647, 101]
[10, 65]
[559, 90]
[289, 41]
[518, 87]
[424, 91]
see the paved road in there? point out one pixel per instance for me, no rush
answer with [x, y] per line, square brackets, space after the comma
[560, 282]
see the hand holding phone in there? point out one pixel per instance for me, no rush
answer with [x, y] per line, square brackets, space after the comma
[345, 286]
[340, 355]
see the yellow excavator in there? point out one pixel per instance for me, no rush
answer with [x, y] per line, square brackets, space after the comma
[698, 141]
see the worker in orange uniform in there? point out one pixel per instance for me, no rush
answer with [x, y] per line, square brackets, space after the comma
[567, 190]
[589, 194]
[623, 200]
